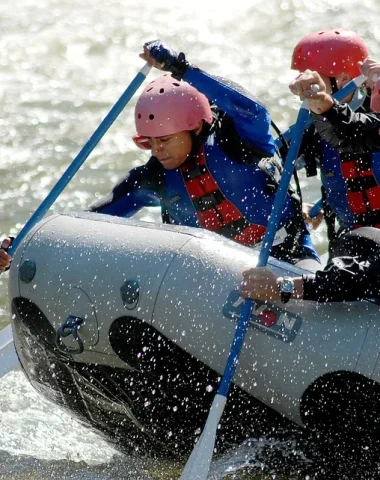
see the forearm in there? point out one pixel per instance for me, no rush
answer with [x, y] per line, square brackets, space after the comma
[347, 130]
[139, 188]
[345, 279]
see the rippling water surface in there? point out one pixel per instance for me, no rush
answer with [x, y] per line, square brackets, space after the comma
[63, 63]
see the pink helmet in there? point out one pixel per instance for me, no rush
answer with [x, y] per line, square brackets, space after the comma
[330, 52]
[169, 106]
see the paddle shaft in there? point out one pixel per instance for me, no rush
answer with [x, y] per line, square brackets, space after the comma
[303, 121]
[8, 355]
[199, 462]
[269, 236]
[81, 157]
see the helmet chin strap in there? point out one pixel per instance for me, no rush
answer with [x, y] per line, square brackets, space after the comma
[334, 85]
[196, 140]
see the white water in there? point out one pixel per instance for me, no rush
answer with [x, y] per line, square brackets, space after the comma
[63, 63]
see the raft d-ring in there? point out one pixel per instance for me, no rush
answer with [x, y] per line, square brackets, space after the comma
[69, 327]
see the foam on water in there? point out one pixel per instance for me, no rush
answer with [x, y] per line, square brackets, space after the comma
[31, 425]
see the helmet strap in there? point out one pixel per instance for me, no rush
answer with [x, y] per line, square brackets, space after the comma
[196, 140]
[334, 86]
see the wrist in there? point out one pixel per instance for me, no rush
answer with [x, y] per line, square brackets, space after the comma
[298, 288]
[289, 287]
[286, 288]
[179, 67]
[321, 106]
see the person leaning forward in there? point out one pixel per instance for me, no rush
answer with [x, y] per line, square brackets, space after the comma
[212, 161]
[337, 141]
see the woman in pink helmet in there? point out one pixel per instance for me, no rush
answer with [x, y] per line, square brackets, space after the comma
[211, 163]
[343, 137]
[209, 166]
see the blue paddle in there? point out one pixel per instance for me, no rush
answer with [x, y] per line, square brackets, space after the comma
[316, 208]
[198, 464]
[81, 157]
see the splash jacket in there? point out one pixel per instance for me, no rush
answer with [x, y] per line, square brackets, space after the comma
[352, 275]
[226, 185]
[350, 173]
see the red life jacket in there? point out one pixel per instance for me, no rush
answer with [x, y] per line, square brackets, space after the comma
[363, 190]
[214, 211]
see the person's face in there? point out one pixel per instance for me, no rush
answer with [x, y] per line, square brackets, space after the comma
[172, 150]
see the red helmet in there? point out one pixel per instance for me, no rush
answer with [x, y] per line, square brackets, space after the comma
[169, 106]
[330, 52]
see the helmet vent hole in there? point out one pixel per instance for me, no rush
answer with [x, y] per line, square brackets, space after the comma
[151, 116]
[176, 84]
[162, 90]
[139, 116]
[149, 89]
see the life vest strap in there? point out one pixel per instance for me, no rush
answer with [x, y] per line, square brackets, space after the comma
[208, 201]
[194, 172]
[368, 218]
[214, 211]
[361, 183]
[363, 191]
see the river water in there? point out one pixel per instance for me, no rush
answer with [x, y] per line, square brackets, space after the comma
[63, 64]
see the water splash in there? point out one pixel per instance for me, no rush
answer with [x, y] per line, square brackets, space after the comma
[269, 456]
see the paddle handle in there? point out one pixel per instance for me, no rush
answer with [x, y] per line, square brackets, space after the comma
[339, 96]
[81, 157]
[316, 208]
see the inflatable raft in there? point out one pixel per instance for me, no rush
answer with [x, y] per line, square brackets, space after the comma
[128, 325]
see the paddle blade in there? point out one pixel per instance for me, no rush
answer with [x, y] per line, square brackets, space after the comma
[199, 462]
[8, 355]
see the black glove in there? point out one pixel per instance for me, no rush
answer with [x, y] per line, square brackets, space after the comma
[172, 62]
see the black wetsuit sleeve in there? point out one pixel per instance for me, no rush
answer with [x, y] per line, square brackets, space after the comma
[141, 187]
[349, 131]
[344, 279]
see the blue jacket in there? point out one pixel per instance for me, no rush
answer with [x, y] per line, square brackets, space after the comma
[238, 139]
[341, 142]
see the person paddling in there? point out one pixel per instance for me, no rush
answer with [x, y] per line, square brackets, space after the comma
[212, 161]
[337, 143]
